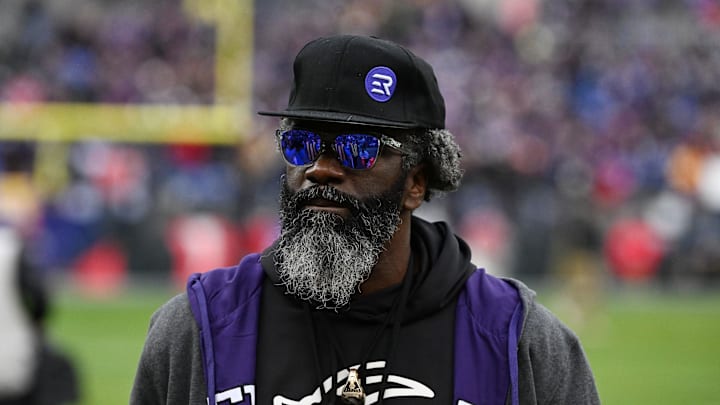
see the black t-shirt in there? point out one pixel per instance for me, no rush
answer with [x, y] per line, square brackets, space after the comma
[420, 370]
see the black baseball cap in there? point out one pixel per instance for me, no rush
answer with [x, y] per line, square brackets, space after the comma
[363, 80]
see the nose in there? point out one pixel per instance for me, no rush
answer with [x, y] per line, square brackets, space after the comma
[326, 170]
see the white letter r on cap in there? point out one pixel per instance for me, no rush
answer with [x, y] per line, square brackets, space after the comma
[387, 82]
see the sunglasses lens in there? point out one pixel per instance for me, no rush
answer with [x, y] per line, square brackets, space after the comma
[300, 147]
[357, 151]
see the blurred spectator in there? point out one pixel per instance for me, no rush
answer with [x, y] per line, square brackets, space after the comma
[32, 370]
[18, 357]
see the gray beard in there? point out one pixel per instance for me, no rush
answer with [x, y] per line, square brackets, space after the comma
[322, 257]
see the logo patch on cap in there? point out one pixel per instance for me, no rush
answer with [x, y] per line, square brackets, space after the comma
[380, 83]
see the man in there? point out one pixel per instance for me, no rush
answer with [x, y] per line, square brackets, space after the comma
[358, 301]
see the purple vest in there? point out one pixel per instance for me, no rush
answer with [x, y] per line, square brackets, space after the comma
[226, 302]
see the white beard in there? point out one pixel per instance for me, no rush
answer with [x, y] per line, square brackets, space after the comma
[322, 257]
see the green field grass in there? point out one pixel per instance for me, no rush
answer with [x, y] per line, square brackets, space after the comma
[653, 349]
[645, 348]
[105, 338]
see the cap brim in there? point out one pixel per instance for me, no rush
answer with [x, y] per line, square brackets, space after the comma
[338, 117]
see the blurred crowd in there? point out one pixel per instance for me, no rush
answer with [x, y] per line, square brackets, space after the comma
[590, 131]
[90, 51]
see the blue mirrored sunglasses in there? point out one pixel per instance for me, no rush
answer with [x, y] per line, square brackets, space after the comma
[359, 151]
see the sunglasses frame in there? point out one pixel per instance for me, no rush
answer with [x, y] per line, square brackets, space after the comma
[383, 140]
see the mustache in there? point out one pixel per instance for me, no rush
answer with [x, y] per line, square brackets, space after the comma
[303, 197]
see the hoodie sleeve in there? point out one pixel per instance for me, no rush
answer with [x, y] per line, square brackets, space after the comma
[553, 368]
[170, 370]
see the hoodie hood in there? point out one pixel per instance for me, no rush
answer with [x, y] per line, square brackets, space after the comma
[442, 265]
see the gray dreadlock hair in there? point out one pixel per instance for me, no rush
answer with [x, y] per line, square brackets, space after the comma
[435, 148]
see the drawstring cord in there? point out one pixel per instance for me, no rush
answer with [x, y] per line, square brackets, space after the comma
[313, 339]
[399, 312]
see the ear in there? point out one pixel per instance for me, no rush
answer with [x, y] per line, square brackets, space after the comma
[415, 188]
